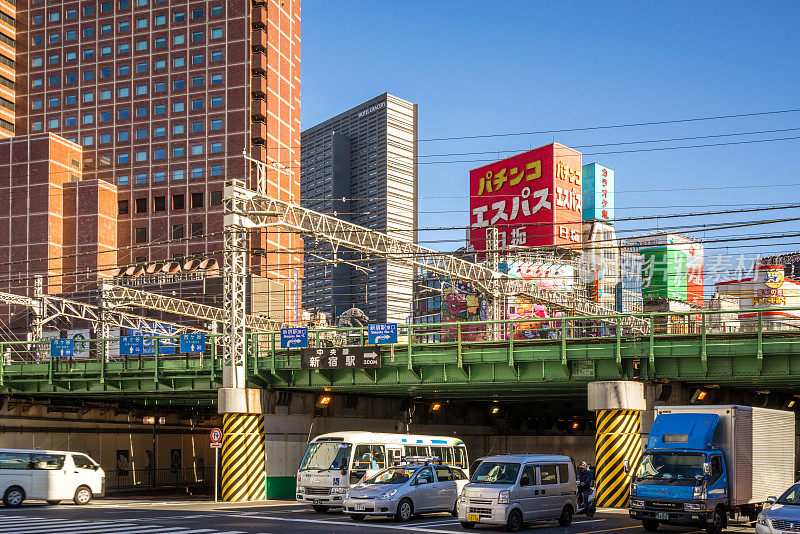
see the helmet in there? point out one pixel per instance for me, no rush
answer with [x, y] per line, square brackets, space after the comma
[583, 465]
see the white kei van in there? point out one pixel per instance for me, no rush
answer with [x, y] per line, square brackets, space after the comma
[52, 476]
[514, 489]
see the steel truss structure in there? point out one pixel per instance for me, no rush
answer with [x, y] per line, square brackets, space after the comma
[257, 210]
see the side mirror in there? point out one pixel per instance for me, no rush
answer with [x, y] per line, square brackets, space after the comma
[344, 470]
[706, 468]
[772, 499]
[627, 466]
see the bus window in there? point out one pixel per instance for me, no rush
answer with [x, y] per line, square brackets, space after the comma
[15, 460]
[460, 454]
[416, 450]
[50, 462]
[369, 457]
[326, 455]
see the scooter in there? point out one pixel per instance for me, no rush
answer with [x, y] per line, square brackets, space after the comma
[589, 508]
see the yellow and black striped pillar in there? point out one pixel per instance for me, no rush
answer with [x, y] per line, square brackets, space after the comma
[243, 461]
[617, 439]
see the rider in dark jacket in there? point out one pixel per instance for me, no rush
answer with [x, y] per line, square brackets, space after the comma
[585, 479]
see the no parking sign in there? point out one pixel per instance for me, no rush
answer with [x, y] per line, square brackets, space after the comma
[216, 438]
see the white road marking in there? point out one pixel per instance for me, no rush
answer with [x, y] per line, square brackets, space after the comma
[41, 525]
[350, 524]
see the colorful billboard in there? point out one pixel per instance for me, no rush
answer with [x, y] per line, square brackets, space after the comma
[598, 193]
[552, 276]
[534, 199]
[672, 268]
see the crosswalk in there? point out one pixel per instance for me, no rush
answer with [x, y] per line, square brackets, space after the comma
[44, 525]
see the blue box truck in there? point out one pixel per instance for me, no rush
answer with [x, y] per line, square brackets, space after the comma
[705, 464]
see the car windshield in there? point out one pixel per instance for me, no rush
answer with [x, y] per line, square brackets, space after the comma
[673, 467]
[791, 497]
[326, 455]
[496, 473]
[395, 475]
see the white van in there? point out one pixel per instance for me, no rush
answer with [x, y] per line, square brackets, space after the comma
[52, 476]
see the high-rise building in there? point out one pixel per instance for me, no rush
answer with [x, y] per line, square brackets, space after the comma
[361, 165]
[164, 98]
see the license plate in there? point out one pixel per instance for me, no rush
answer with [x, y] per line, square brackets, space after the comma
[360, 507]
[662, 515]
[473, 518]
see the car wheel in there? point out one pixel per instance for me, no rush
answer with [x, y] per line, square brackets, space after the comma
[320, 509]
[405, 509]
[83, 495]
[54, 502]
[650, 526]
[358, 517]
[717, 524]
[514, 522]
[467, 524]
[565, 519]
[13, 497]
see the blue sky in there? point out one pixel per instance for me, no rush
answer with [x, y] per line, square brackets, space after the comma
[494, 67]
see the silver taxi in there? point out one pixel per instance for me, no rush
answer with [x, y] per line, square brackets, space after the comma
[406, 490]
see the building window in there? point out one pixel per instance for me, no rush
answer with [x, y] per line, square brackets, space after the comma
[122, 207]
[88, 140]
[141, 205]
[160, 42]
[122, 180]
[141, 155]
[123, 136]
[197, 150]
[178, 152]
[105, 94]
[37, 19]
[216, 170]
[197, 37]
[36, 126]
[88, 118]
[105, 73]
[70, 56]
[178, 61]
[105, 138]
[160, 20]
[141, 23]
[177, 231]
[216, 148]
[36, 62]
[179, 16]
[197, 59]
[197, 14]
[197, 172]
[123, 92]
[70, 35]
[159, 131]
[215, 198]
[178, 107]
[197, 229]
[141, 235]
[160, 109]
[141, 46]
[197, 200]
[105, 116]
[88, 97]
[124, 70]
[141, 178]
[105, 7]
[53, 38]
[159, 176]
[160, 64]
[52, 102]
[123, 114]
[197, 104]
[216, 78]
[70, 120]
[141, 133]
[160, 87]
[123, 157]
[52, 123]
[37, 82]
[53, 16]
[105, 29]
[159, 153]
[88, 32]
[217, 56]
[124, 4]
[177, 174]
[178, 39]
[177, 129]
[124, 48]
[141, 111]
[216, 10]
[88, 10]
[216, 33]
[197, 127]
[88, 75]
[159, 203]
[178, 202]
[197, 81]
[179, 84]
[141, 67]
[216, 102]
[141, 89]
[216, 124]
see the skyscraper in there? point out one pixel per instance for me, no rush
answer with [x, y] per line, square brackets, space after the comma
[361, 165]
[164, 98]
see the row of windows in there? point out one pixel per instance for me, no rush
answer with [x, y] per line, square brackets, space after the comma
[178, 232]
[159, 42]
[177, 175]
[139, 134]
[125, 114]
[196, 104]
[178, 202]
[88, 75]
[106, 7]
[177, 61]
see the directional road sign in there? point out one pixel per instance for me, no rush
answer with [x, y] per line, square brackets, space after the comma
[60, 348]
[131, 345]
[341, 358]
[382, 333]
[293, 338]
[193, 342]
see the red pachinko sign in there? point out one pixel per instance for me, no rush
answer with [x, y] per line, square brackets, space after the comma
[533, 199]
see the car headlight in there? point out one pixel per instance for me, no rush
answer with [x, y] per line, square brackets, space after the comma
[464, 495]
[301, 489]
[504, 497]
[337, 491]
[633, 490]
[388, 494]
[696, 506]
[637, 503]
[762, 520]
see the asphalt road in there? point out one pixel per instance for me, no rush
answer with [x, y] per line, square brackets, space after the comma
[173, 516]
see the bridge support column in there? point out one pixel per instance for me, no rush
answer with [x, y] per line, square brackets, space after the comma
[243, 463]
[618, 405]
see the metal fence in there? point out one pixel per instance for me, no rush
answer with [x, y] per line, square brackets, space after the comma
[164, 478]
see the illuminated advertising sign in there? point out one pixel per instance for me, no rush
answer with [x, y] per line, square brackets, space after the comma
[598, 193]
[672, 268]
[534, 199]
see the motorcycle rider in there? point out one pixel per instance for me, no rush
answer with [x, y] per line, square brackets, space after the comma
[585, 479]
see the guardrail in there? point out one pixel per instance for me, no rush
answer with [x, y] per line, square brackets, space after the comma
[162, 478]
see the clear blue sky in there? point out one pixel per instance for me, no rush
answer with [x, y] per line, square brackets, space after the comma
[485, 67]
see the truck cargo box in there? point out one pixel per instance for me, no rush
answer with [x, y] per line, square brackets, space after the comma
[758, 445]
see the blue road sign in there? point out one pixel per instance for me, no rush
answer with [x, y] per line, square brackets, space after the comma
[193, 342]
[382, 333]
[131, 345]
[293, 338]
[165, 346]
[60, 348]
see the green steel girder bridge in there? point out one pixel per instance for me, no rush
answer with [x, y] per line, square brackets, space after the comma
[448, 360]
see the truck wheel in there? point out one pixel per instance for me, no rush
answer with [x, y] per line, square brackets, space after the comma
[320, 509]
[565, 519]
[650, 525]
[83, 495]
[717, 523]
[14, 497]
[514, 522]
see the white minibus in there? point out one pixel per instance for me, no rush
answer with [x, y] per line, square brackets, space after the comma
[334, 462]
[51, 476]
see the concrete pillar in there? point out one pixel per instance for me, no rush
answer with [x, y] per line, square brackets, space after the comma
[243, 462]
[618, 405]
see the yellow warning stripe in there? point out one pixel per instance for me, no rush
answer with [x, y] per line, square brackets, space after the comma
[243, 460]
[618, 439]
